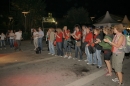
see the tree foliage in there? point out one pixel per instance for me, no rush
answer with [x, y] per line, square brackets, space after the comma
[36, 10]
[77, 16]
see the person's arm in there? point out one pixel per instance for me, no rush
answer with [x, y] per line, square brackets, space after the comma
[119, 42]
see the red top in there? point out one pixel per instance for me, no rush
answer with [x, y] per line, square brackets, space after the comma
[65, 34]
[59, 39]
[89, 37]
[77, 33]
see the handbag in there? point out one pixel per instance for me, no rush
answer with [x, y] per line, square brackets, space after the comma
[15, 44]
[91, 49]
[54, 43]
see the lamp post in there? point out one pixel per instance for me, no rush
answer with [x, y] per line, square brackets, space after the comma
[10, 18]
[25, 13]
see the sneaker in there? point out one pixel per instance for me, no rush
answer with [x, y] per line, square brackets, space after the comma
[88, 63]
[49, 53]
[99, 67]
[115, 80]
[69, 57]
[121, 84]
[61, 56]
[65, 56]
[86, 60]
[52, 54]
[79, 60]
[74, 58]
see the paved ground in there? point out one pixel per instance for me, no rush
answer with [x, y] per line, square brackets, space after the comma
[25, 68]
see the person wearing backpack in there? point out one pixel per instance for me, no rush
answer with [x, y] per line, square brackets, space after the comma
[118, 56]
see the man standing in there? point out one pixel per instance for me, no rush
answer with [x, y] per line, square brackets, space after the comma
[40, 37]
[18, 36]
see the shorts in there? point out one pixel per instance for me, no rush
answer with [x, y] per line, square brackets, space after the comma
[107, 54]
[117, 61]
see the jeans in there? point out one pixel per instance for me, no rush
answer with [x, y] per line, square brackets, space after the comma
[40, 43]
[35, 41]
[51, 47]
[78, 50]
[89, 56]
[59, 49]
[98, 56]
[2, 43]
[67, 48]
[7, 41]
[11, 43]
[94, 58]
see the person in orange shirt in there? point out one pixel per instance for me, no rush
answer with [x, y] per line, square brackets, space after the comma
[67, 47]
[77, 37]
[59, 37]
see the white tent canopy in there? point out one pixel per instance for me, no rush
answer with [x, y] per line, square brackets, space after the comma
[106, 21]
[125, 21]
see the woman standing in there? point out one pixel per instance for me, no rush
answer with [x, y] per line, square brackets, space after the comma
[59, 37]
[11, 38]
[51, 38]
[107, 49]
[77, 37]
[2, 40]
[97, 54]
[35, 38]
[117, 58]
[67, 47]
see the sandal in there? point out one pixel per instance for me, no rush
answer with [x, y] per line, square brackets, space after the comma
[108, 74]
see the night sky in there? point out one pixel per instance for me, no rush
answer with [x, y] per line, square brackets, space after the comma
[94, 7]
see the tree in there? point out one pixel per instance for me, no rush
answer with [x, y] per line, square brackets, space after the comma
[36, 10]
[77, 16]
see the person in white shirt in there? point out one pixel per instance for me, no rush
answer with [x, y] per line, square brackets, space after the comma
[18, 36]
[40, 38]
[11, 37]
[35, 38]
[2, 41]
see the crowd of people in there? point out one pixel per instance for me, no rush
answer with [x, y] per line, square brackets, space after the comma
[91, 42]
[10, 38]
[88, 41]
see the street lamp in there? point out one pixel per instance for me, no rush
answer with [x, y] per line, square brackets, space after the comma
[10, 18]
[25, 13]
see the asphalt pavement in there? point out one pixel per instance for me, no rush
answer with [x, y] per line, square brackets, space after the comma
[26, 68]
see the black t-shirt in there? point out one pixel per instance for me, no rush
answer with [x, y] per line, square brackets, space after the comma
[97, 46]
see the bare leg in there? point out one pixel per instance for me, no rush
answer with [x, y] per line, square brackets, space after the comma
[120, 76]
[109, 67]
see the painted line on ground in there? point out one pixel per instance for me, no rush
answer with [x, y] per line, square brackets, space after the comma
[35, 61]
[91, 77]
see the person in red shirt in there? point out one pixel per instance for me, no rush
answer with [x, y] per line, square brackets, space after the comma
[89, 41]
[59, 37]
[67, 47]
[77, 37]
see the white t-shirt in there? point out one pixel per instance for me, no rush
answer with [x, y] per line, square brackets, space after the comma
[2, 37]
[18, 35]
[11, 35]
[35, 35]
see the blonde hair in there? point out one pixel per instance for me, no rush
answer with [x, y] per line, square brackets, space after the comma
[58, 30]
[119, 27]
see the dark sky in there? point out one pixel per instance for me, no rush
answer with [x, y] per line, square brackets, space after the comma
[94, 7]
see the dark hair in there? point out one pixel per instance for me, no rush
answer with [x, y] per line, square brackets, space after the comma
[78, 26]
